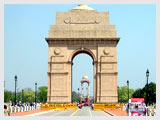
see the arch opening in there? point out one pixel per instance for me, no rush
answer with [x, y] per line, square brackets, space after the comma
[83, 65]
[82, 50]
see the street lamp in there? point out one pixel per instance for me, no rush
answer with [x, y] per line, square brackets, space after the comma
[118, 93]
[128, 95]
[35, 91]
[15, 87]
[22, 95]
[128, 88]
[78, 94]
[147, 75]
[4, 84]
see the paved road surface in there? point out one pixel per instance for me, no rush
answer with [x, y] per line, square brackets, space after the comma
[85, 111]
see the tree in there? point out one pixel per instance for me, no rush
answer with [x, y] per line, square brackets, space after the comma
[123, 93]
[141, 93]
[75, 97]
[7, 96]
[42, 93]
[28, 96]
[152, 92]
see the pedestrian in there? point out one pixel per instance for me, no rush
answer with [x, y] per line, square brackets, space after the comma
[92, 106]
[6, 112]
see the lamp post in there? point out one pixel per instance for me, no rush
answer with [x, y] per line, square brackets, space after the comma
[78, 94]
[147, 75]
[128, 95]
[35, 92]
[4, 84]
[15, 87]
[118, 93]
[22, 95]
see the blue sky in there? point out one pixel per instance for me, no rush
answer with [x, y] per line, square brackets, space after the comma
[26, 51]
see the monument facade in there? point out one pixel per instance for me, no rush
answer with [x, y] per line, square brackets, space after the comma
[82, 30]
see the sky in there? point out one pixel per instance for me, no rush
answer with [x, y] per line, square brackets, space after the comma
[26, 51]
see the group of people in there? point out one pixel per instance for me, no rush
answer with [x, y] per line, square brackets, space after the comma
[7, 107]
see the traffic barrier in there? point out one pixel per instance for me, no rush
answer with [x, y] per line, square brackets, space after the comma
[98, 106]
[105, 106]
[58, 106]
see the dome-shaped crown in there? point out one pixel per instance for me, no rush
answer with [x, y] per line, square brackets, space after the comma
[82, 7]
[85, 77]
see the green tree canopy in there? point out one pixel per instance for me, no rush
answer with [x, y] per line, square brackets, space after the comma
[42, 93]
[141, 93]
[29, 96]
[7, 96]
[152, 92]
[75, 96]
[123, 93]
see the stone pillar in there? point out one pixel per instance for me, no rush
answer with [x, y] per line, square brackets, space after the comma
[81, 90]
[88, 90]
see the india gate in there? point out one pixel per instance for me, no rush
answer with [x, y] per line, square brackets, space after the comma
[82, 30]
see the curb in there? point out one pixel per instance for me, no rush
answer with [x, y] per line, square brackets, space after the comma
[110, 113]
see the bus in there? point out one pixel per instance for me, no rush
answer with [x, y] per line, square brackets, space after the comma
[137, 107]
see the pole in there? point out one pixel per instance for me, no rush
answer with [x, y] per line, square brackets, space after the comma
[128, 91]
[128, 95]
[78, 94]
[118, 93]
[147, 74]
[4, 84]
[22, 95]
[35, 92]
[147, 93]
[15, 87]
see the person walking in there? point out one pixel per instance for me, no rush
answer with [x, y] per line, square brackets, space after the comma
[6, 112]
[92, 106]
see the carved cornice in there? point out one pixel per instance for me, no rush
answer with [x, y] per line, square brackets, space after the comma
[57, 73]
[114, 73]
[86, 41]
[66, 39]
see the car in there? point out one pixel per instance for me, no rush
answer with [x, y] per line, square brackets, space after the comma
[80, 105]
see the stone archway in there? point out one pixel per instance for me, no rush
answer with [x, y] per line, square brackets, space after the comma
[85, 80]
[82, 30]
[88, 52]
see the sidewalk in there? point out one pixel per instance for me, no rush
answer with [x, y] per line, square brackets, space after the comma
[116, 112]
[27, 112]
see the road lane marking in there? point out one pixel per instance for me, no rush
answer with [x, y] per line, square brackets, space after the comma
[90, 112]
[74, 112]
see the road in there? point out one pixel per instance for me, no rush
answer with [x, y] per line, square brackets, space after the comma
[85, 111]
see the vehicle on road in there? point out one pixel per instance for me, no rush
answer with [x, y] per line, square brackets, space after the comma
[80, 105]
[137, 107]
